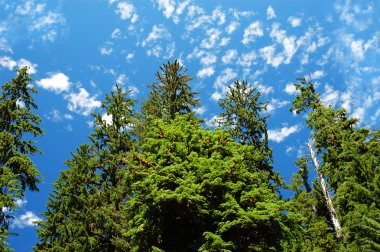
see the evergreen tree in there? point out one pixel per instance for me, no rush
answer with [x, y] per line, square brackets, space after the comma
[242, 114]
[351, 158]
[308, 203]
[85, 212]
[18, 126]
[197, 189]
[171, 93]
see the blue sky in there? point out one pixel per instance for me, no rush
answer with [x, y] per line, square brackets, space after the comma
[78, 50]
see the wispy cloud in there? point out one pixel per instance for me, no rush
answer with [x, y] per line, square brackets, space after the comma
[279, 135]
[127, 11]
[10, 64]
[206, 72]
[255, 29]
[270, 13]
[82, 102]
[27, 219]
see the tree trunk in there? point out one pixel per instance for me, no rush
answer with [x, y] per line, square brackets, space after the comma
[326, 194]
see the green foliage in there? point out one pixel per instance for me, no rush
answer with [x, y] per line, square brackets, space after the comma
[171, 93]
[351, 160]
[85, 212]
[198, 189]
[18, 127]
[161, 182]
[242, 114]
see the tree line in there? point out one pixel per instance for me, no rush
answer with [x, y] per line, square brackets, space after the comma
[155, 178]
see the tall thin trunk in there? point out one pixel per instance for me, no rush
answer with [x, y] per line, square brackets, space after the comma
[326, 194]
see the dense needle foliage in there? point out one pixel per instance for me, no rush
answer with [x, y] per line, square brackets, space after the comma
[18, 128]
[161, 181]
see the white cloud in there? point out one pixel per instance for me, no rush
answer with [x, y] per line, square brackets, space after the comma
[196, 17]
[270, 13]
[330, 96]
[359, 47]
[4, 46]
[7, 62]
[121, 79]
[54, 116]
[168, 6]
[317, 75]
[200, 110]
[68, 117]
[20, 202]
[290, 89]
[232, 27]
[354, 15]
[155, 51]
[50, 36]
[169, 51]
[359, 114]
[276, 104]
[219, 15]
[181, 7]
[157, 47]
[206, 72]
[82, 102]
[52, 18]
[247, 59]
[229, 56]
[26, 220]
[57, 82]
[347, 101]
[267, 53]
[116, 33]
[130, 56]
[294, 22]
[289, 43]
[106, 50]
[196, 54]
[10, 64]
[158, 32]
[214, 121]
[210, 42]
[263, 89]
[208, 59]
[69, 128]
[133, 90]
[255, 29]
[107, 119]
[29, 8]
[222, 81]
[279, 135]
[127, 11]
[289, 150]
[216, 96]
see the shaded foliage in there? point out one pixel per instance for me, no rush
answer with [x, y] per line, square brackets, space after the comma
[19, 126]
[85, 210]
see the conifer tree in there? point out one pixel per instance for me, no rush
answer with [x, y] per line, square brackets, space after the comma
[18, 128]
[85, 211]
[243, 115]
[308, 203]
[350, 160]
[171, 93]
[198, 190]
